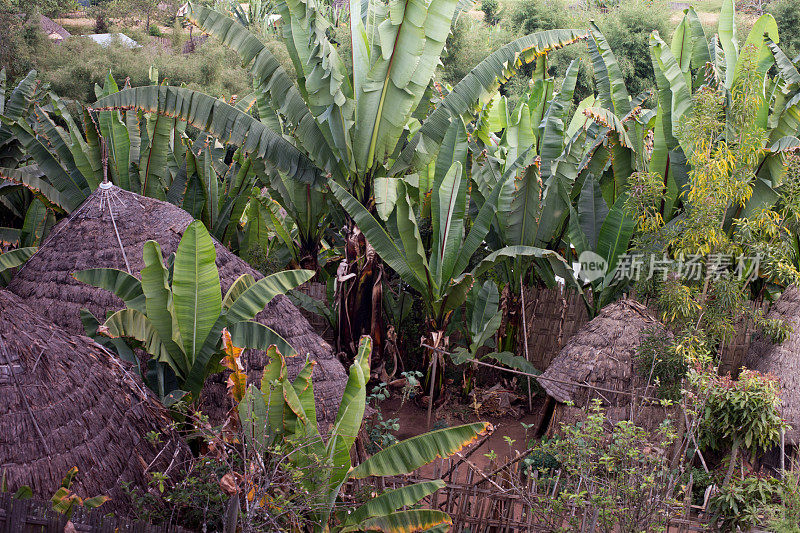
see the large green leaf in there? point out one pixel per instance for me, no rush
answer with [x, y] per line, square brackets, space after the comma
[72, 186]
[270, 79]
[122, 284]
[413, 247]
[612, 93]
[257, 336]
[392, 500]
[756, 48]
[197, 296]
[476, 88]
[592, 210]
[159, 306]
[406, 456]
[221, 120]
[448, 209]
[404, 522]
[728, 40]
[615, 233]
[134, 324]
[253, 300]
[557, 263]
[405, 50]
[681, 96]
[349, 418]
[16, 258]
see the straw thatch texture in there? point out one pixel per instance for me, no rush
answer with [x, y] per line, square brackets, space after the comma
[600, 357]
[552, 317]
[782, 360]
[70, 403]
[87, 239]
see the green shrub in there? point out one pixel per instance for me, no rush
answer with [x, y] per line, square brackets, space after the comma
[787, 15]
[627, 29]
[469, 43]
[743, 502]
[785, 516]
[491, 11]
[75, 66]
[155, 31]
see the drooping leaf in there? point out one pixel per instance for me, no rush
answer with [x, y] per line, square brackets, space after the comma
[406, 456]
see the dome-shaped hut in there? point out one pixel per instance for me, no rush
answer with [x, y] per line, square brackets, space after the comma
[109, 230]
[598, 362]
[782, 360]
[67, 402]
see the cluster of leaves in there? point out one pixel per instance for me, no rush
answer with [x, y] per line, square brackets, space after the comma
[177, 312]
[621, 476]
[743, 411]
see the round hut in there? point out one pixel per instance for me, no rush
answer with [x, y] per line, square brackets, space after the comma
[782, 360]
[598, 362]
[109, 230]
[68, 402]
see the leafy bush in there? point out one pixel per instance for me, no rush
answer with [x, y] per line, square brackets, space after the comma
[659, 363]
[155, 31]
[491, 13]
[785, 516]
[743, 502]
[197, 502]
[75, 66]
[469, 43]
[787, 15]
[621, 476]
[627, 29]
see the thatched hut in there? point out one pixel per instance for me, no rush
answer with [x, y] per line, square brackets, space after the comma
[67, 402]
[783, 361]
[598, 362]
[109, 230]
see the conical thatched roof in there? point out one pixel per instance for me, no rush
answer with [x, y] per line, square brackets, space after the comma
[601, 354]
[782, 360]
[71, 403]
[87, 239]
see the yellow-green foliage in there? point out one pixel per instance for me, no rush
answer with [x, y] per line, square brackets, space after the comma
[73, 67]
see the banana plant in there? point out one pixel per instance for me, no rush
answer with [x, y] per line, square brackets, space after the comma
[28, 214]
[177, 311]
[440, 276]
[347, 123]
[600, 237]
[146, 153]
[282, 413]
[692, 61]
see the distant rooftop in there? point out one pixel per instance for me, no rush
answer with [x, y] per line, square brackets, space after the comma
[104, 39]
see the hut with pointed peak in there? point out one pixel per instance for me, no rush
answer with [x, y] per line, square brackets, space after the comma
[782, 360]
[67, 402]
[109, 230]
[598, 362]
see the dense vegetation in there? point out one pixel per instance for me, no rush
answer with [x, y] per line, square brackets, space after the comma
[427, 163]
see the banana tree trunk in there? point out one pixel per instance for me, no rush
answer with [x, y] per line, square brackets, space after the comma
[360, 297]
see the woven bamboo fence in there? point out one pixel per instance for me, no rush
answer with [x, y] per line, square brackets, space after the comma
[505, 501]
[555, 315]
[29, 516]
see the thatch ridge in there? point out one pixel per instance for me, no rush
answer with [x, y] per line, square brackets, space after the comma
[782, 360]
[601, 354]
[71, 403]
[87, 239]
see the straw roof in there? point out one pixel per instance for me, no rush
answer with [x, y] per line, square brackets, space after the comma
[53, 30]
[87, 239]
[601, 355]
[70, 403]
[782, 360]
